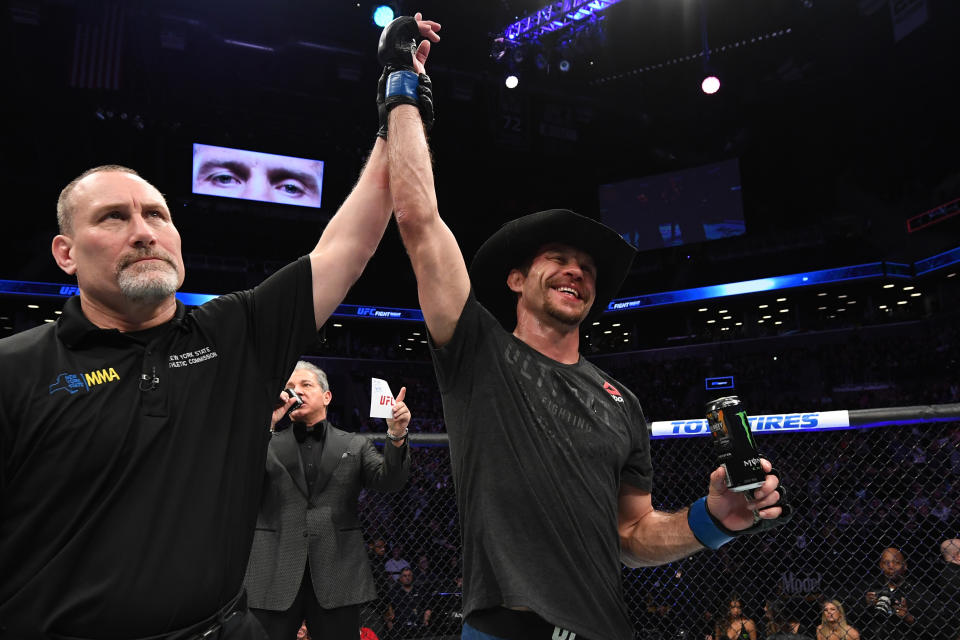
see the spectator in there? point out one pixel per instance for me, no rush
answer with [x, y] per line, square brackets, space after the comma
[424, 575]
[950, 589]
[377, 551]
[833, 623]
[410, 608]
[734, 625]
[303, 633]
[395, 564]
[891, 602]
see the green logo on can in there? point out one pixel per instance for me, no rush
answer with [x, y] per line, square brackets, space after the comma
[746, 426]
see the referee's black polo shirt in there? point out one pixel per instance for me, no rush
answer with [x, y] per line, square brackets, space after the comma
[127, 505]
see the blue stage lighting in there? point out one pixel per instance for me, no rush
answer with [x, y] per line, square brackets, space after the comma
[383, 15]
[885, 270]
[556, 16]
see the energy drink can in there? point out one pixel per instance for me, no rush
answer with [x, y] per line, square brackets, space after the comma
[733, 443]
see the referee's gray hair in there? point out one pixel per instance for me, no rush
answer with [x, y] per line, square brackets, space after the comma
[316, 371]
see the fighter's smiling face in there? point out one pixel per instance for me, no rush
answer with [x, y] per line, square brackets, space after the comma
[560, 284]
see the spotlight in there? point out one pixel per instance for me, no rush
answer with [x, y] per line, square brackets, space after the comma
[382, 15]
[511, 82]
[710, 85]
[564, 65]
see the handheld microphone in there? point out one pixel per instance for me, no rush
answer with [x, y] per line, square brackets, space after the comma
[297, 402]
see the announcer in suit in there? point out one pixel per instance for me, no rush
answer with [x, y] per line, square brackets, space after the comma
[309, 561]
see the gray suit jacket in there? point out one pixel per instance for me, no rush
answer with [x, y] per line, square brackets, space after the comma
[293, 530]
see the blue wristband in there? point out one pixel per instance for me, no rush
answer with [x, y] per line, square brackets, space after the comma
[402, 87]
[703, 528]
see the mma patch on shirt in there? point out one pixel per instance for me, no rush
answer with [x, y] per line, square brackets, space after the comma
[74, 382]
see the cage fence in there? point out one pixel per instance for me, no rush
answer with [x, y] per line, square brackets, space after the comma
[856, 493]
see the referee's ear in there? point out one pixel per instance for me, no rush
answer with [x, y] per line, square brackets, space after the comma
[62, 250]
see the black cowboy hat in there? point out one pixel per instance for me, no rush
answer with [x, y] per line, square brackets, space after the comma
[518, 240]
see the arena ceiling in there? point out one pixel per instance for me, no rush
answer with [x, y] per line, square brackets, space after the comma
[842, 118]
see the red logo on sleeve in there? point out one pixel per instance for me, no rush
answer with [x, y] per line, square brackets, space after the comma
[612, 390]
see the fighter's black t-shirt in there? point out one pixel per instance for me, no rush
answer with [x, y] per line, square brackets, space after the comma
[539, 450]
[132, 464]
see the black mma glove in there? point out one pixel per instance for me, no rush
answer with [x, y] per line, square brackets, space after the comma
[399, 83]
[763, 524]
[398, 43]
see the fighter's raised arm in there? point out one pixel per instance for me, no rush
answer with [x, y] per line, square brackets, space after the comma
[352, 235]
[442, 280]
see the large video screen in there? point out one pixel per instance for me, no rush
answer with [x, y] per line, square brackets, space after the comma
[671, 209]
[252, 175]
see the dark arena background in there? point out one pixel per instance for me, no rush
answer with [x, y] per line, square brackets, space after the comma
[824, 292]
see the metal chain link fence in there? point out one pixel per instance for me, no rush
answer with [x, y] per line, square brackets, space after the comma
[856, 493]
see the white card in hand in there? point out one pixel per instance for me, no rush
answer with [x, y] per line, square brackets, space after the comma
[381, 399]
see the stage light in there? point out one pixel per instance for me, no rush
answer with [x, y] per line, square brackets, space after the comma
[382, 15]
[564, 65]
[511, 82]
[555, 17]
[710, 85]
